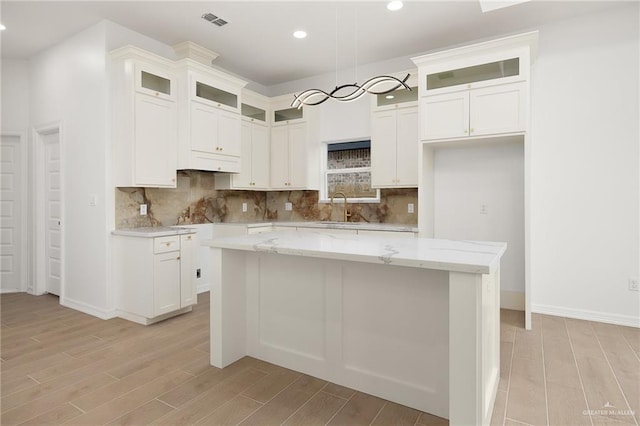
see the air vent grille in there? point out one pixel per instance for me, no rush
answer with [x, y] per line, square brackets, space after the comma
[215, 19]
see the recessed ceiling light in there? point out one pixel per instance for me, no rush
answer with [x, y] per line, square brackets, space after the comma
[2, 27]
[389, 97]
[300, 34]
[394, 5]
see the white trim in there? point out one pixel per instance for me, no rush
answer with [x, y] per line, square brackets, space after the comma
[24, 206]
[88, 309]
[514, 300]
[583, 314]
[39, 252]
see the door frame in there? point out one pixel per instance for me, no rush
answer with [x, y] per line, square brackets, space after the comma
[39, 180]
[24, 208]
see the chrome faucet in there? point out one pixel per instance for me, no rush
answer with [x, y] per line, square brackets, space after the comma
[347, 213]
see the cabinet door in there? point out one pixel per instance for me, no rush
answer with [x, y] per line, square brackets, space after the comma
[244, 179]
[166, 282]
[407, 147]
[188, 295]
[383, 149]
[155, 141]
[155, 81]
[260, 156]
[445, 116]
[497, 109]
[229, 133]
[279, 157]
[204, 128]
[298, 156]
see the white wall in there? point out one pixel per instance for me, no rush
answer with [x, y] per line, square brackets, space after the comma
[493, 176]
[585, 162]
[69, 86]
[15, 95]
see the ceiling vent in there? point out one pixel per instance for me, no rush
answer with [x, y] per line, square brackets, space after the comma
[215, 19]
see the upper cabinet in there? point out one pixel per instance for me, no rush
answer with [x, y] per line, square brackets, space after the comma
[144, 119]
[284, 114]
[209, 118]
[254, 170]
[295, 149]
[394, 136]
[476, 91]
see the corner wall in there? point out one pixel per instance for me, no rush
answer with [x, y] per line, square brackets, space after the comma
[69, 87]
[585, 240]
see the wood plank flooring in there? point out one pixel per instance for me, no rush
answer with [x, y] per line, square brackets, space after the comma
[60, 366]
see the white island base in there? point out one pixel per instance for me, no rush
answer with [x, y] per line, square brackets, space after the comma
[414, 321]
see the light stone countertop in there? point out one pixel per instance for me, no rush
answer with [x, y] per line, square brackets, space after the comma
[155, 231]
[448, 255]
[329, 225]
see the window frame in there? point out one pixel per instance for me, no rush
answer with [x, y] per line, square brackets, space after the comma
[324, 196]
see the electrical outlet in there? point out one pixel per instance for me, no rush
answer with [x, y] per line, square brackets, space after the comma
[633, 284]
[143, 209]
[244, 207]
[410, 208]
[288, 206]
[484, 209]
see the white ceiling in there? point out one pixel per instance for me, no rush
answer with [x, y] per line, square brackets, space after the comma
[258, 44]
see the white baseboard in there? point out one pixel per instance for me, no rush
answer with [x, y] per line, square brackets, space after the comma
[582, 314]
[10, 290]
[512, 300]
[202, 288]
[88, 309]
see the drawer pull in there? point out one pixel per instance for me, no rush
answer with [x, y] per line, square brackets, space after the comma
[168, 244]
[178, 258]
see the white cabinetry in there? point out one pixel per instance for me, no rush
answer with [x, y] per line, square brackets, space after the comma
[394, 148]
[485, 111]
[144, 119]
[154, 276]
[254, 154]
[395, 136]
[466, 94]
[209, 126]
[295, 150]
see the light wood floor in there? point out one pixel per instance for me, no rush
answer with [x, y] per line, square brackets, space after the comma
[61, 366]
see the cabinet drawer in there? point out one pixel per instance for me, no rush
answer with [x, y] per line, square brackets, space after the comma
[166, 244]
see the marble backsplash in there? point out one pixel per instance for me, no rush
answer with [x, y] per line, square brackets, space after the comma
[196, 201]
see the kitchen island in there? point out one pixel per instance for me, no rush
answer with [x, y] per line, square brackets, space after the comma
[415, 321]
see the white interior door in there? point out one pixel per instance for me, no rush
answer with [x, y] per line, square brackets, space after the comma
[11, 214]
[53, 203]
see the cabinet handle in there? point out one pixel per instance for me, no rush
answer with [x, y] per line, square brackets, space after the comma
[189, 237]
[466, 131]
[157, 93]
[173, 179]
[168, 244]
[219, 168]
[472, 130]
[178, 258]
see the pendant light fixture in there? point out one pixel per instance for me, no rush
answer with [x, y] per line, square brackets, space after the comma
[349, 92]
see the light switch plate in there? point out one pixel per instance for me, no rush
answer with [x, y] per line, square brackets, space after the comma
[410, 208]
[288, 207]
[244, 207]
[143, 209]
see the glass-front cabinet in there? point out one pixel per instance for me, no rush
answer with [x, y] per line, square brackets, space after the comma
[481, 72]
[287, 115]
[254, 113]
[217, 96]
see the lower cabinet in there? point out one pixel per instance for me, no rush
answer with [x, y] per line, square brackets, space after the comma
[154, 276]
